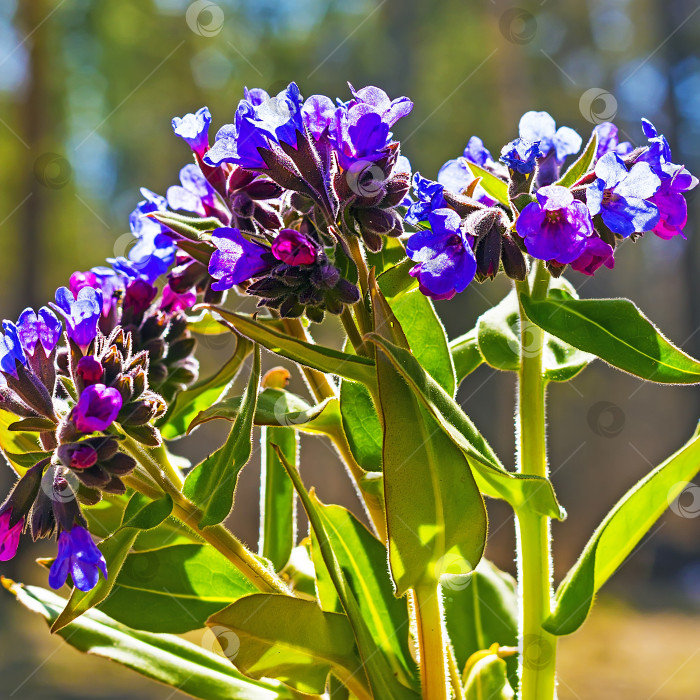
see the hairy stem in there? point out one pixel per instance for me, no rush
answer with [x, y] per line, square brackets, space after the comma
[217, 535]
[537, 647]
[431, 643]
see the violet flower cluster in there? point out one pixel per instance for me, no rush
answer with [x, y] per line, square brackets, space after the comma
[627, 192]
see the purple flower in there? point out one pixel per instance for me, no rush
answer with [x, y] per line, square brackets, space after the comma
[608, 141]
[446, 261]
[521, 155]
[596, 253]
[430, 199]
[138, 296]
[195, 195]
[294, 248]
[259, 122]
[318, 113]
[476, 152]
[78, 455]
[97, 408]
[173, 301]
[670, 201]
[376, 99]
[42, 328]
[11, 350]
[9, 535]
[89, 369]
[556, 226]
[109, 282]
[236, 259]
[620, 196]
[81, 313]
[659, 152]
[194, 130]
[79, 556]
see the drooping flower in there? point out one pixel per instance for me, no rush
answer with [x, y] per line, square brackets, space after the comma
[260, 121]
[81, 313]
[11, 350]
[621, 196]
[294, 248]
[194, 130]
[670, 201]
[195, 194]
[172, 301]
[556, 226]
[596, 253]
[138, 296]
[89, 369]
[78, 556]
[39, 329]
[521, 155]
[9, 535]
[97, 408]
[555, 144]
[608, 141]
[430, 199]
[236, 259]
[446, 261]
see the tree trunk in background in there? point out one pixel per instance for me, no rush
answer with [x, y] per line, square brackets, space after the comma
[34, 113]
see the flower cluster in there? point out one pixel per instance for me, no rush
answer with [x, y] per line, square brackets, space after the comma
[622, 192]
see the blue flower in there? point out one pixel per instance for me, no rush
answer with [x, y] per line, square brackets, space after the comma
[521, 155]
[259, 122]
[608, 140]
[194, 130]
[81, 313]
[456, 176]
[476, 152]
[620, 196]
[446, 261]
[555, 227]
[195, 195]
[11, 350]
[236, 259]
[430, 198]
[42, 328]
[318, 113]
[79, 556]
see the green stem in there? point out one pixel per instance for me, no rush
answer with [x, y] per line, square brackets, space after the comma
[216, 535]
[537, 647]
[431, 643]
[455, 675]
[363, 318]
[353, 333]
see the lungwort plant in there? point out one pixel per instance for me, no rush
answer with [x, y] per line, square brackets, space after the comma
[308, 207]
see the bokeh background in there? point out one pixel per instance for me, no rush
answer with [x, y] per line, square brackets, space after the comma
[87, 91]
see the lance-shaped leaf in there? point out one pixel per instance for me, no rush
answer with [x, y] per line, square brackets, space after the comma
[277, 407]
[382, 672]
[494, 186]
[465, 355]
[617, 332]
[141, 514]
[493, 479]
[361, 425]
[357, 369]
[482, 612]
[581, 165]
[175, 588]
[204, 393]
[434, 510]
[290, 639]
[498, 335]
[191, 227]
[362, 559]
[212, 483]
[278, 522]
[165, 658]
[619, 533]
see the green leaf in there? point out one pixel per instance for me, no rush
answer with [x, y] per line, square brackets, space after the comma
[189, 403]
[494, 186]
[466, 355]
[485, 677]
[518, 489]
[191, 227]
[357, 369]
[141, 513]
[290, 639]
[278, 522]
[362, 559]
[164, 658]
[616, 331]
[481, 612]
[277, 407]
[581, 165]
[624, 526]
[174, 589]
[377, 665]
[392, 253]
[434, 510]
[26, 460]
[212, 483]
[498, 332]
[12, 442]
[361, 425]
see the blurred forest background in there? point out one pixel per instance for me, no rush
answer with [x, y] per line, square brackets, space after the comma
[87, 91]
